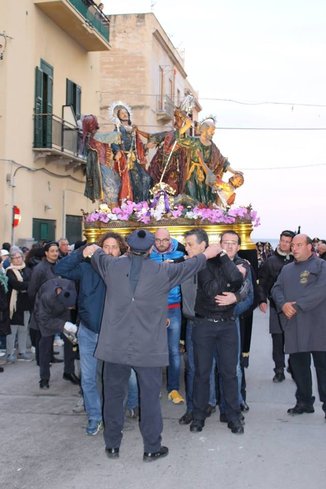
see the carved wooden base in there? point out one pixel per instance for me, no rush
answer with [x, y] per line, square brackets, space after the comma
[177, 231]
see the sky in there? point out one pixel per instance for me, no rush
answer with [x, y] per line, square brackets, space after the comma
[259, 68]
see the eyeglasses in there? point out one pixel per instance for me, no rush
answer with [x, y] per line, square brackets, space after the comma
[231, 243]
[164, 240]
[16, 256]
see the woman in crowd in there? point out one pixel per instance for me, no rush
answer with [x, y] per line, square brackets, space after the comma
[19, 306]
[4, 309]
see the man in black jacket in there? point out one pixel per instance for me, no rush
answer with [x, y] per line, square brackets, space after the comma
[214, 328]
[267, 276]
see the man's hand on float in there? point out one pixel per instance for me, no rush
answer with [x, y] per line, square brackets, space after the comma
[212, 250]
[89, 250]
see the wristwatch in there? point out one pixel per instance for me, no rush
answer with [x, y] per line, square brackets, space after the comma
[222, 253]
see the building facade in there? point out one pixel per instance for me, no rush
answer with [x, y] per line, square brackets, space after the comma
[144, 70]
[49, 75]
[60, 59]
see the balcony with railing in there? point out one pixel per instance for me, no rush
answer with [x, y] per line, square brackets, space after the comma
[80, 19]
[164, 108]
[58, 138]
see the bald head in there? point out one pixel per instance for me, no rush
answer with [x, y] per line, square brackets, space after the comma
[162, 240]
[301, 247]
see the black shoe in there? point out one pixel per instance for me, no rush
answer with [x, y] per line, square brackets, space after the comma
[152, 456]
[44, 384]
[300, 408]
[197, 425]
[186, 418]
[112, 452]
[56, 360]
[279, 376]
[244, 407]
[72, 378]
[236, 427]
[210, 410]
[223, 418]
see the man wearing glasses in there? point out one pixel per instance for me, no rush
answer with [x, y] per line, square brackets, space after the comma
[167, 248]
[215, 329]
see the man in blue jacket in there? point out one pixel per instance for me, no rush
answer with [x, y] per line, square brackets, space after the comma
[91, 298]
[167, 248]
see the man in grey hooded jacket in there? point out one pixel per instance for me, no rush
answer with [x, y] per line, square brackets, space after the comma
[133, 333]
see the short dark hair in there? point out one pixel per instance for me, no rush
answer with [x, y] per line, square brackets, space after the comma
[231, 232]
[287, 234]
[6, 246]
[48, 245]
[200, 234]
[120, 240]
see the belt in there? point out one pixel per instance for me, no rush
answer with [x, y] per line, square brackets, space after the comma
[216, 320]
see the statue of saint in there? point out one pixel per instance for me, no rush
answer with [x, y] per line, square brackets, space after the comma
[102, 180]
[130, 156]
[226, 190]
[206, 164]
[169, 164]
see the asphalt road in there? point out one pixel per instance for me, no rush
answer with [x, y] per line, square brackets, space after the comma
[43, 444]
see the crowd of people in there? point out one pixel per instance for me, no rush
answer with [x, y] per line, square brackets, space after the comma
[121, 308]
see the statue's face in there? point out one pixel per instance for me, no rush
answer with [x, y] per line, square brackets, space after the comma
[209, 131]
[123, 115]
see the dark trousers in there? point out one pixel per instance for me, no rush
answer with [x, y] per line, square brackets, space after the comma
[69, 356]
[45, 348]
[278, 350]
[208, 337]
[301, 373]
[116, 379]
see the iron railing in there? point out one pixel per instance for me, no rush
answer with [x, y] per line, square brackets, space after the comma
[164, 106]
[52, 132]
[93, 16]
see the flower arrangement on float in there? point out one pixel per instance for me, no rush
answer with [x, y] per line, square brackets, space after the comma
[144, 213]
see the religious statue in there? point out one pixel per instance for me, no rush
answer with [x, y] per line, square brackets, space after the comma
[102, 179]
[206, 165]
[169, 164]
[226, 190]
[130, 156]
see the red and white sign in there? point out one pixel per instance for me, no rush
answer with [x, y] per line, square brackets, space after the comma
[16, 217]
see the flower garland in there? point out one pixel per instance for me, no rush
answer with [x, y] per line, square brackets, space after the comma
[144, 213]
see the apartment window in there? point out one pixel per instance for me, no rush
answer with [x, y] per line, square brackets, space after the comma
[161, 88]
[178, 97]
[43, 105]
[73, 97]
[44, 229]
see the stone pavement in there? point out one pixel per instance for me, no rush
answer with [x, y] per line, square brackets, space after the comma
[43, 445]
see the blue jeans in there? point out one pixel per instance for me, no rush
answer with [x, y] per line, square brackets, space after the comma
[133, 395]
[87, 341]
[190, 371]
[174, 331]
